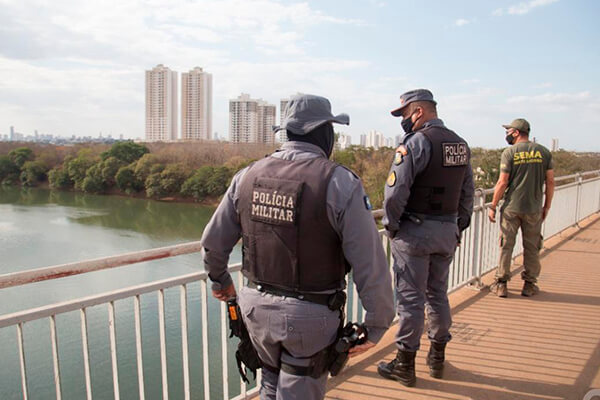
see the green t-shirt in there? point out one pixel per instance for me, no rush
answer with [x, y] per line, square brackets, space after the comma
[526, 163]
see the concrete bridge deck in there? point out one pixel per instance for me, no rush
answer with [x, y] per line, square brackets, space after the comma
[543, 347]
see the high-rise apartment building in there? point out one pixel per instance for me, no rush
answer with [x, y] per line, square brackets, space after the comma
[374, 139]
[242, 119]
[282, 135]
[363, 140]
[161, 104]
[196, 105]
[554, 144]
[266, 114]
[344, 141]
[251, 120]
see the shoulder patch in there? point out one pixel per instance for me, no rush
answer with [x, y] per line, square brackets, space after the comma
[402, 150]
[391, 180]
[398, 158]
[368, 205]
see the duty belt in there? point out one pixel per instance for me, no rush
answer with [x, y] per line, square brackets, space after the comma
[323, 299]
[418, 216]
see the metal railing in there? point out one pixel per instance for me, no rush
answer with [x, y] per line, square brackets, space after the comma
[577, 198]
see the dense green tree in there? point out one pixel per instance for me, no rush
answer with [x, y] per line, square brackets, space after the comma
[9, 171]
[20, 155]
[197, 185]
[59, 178]
[127, 152]
[207, 181]
[153, 187]
[33, 172]
[144, 165]
[168, 181]
[77, 168]
[219, 181]
[108, 170]
[127, 181]
[93, 181]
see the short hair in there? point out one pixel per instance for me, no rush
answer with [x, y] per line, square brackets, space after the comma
[426, 105]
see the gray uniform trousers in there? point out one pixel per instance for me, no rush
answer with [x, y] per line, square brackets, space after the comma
[301, 328]
[422, 256]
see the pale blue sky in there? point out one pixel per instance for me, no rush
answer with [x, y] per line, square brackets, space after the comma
[72, 67]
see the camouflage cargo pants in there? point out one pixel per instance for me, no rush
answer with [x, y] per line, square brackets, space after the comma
[531, 227]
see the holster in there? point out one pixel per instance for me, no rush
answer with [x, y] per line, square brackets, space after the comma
[245, 354]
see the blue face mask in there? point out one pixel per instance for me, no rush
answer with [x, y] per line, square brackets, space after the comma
[407, 124]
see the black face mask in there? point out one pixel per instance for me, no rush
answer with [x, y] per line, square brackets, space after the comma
[510, 139]
[407, 124]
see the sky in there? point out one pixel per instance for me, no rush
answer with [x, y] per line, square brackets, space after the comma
[77, 67]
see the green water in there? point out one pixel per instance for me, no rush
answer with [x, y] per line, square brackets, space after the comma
[41, 228]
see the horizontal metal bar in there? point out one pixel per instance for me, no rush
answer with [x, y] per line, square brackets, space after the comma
[102, 298]
[61, 271]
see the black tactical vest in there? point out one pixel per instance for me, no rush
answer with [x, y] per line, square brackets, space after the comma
[288, 241]
[436, 190]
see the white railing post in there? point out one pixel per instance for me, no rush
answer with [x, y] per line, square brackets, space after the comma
[55, 359]
[22, 359]
[478, 234]
[578, 200]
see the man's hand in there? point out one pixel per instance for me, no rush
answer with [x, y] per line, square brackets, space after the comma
[545, 212]
[492, 215]
[361, 348]
[225, 294]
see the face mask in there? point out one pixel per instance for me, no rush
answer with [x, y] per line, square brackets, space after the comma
[407, 124]
[510, 139]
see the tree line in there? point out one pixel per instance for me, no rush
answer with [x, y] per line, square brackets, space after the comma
[203, 171]
[130, 168]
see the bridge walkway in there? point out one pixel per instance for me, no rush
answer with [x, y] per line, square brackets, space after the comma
[543, 347]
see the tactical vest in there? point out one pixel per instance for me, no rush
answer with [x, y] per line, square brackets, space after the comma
[288, 241]
[436, 190]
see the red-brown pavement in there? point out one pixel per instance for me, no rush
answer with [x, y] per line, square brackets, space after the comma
[543, 347]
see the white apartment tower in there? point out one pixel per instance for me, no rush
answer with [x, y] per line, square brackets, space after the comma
[250, 120]
[161, 104]
[266, 114]
[344, 141]
[242, 119]
[374, 139]
[282, 135]
[196, 105]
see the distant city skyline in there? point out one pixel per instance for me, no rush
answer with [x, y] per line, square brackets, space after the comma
[487, 62]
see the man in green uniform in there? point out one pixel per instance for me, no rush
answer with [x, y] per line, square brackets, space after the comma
[524, 168]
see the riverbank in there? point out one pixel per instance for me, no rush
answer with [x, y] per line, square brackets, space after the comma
[206, 202]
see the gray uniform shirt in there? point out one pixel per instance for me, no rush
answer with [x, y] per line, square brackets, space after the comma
[349, 215]
[413, 163]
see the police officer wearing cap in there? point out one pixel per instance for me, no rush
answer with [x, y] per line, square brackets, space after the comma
[428, 202]
[304, 221]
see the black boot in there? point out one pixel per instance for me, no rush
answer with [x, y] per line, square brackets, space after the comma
[401, 368]
[435, 359]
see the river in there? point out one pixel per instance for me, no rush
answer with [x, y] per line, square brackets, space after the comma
[40, 228]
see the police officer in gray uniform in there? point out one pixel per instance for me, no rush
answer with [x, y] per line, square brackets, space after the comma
[428, 202]
[305, 222]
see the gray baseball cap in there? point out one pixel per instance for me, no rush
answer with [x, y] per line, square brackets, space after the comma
[305, 112]
[412, 96]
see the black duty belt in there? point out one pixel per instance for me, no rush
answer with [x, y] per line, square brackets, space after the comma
[322, 299]
[414, 217]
